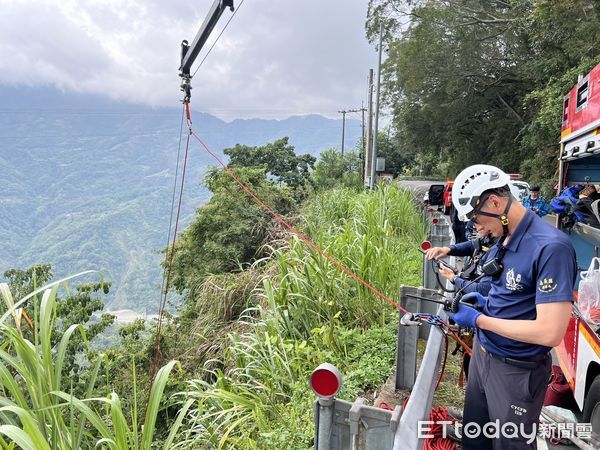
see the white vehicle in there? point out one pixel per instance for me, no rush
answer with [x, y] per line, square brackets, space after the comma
[522, 188]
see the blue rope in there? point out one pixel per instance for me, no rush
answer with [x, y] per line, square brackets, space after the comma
[430, 318]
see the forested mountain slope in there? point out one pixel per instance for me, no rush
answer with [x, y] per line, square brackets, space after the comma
[87, 183]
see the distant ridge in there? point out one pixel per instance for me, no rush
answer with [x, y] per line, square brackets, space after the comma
[88, 182]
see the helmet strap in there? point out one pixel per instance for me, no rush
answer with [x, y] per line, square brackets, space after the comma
[503, 218]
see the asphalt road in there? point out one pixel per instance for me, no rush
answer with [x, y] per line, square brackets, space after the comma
[419, 187]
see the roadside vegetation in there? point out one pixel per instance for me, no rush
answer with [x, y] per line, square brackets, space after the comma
[260, 311]
[471, 81]
[466, 82]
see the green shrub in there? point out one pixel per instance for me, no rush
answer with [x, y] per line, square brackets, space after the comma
[375, 235]
[310, 312]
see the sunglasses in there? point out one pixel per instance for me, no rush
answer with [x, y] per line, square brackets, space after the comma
[473, 217]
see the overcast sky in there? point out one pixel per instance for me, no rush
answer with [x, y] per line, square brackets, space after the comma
[276, 58]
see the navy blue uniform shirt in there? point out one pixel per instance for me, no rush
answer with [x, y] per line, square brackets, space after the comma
[462, 249]
[539, 267]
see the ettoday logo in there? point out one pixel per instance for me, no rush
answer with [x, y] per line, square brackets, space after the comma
[509, 430]
[491, 430]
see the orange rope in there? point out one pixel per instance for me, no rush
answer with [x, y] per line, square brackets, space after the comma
[305, 239]
[438, 442]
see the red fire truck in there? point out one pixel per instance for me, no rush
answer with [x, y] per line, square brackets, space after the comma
[579, 163]
[447, 200]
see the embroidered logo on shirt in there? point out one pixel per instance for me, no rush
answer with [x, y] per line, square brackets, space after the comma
[547, 285]
[518, 410]
[512, 281]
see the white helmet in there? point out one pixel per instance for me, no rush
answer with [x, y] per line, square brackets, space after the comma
[471, 183]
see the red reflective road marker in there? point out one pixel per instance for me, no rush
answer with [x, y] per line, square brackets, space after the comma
[326, 380]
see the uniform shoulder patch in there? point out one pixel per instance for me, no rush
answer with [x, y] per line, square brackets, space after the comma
[547, 285]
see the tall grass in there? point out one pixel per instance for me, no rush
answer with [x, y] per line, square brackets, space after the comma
[310, 312]
[237, 406]
[37, 410]
[376, 235]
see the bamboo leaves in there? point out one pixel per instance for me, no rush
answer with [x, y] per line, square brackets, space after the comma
[37, 412]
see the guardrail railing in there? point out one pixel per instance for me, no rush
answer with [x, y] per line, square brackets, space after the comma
[342, 425]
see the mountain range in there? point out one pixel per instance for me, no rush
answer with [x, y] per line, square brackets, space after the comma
[88, 183]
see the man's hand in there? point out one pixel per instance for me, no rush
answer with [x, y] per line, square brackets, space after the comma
[587, 191]
[466, 316]
[475, 299]
[437, 252]
[446, 272]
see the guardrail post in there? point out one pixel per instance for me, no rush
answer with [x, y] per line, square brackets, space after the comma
[421, 397]
[427, 307]
[324, 408]
[406, 351]
[354, 416]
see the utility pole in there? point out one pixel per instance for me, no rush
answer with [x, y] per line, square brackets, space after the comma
[374, 156]
[362, 143]
[344, 112]
[368, 152]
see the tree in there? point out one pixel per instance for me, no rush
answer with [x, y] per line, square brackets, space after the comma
[277, 158]
[77, 307]
[24, 282]
[230, 229]
[471, 81]
[564, 37]
[81, 307]
[397, 158]
[450, 94]
[333, 169]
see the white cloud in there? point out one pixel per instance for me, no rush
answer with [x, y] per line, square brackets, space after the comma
[276, 58]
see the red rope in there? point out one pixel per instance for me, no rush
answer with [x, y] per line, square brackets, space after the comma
[305, 239]
[438, 442]
[163, 303]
